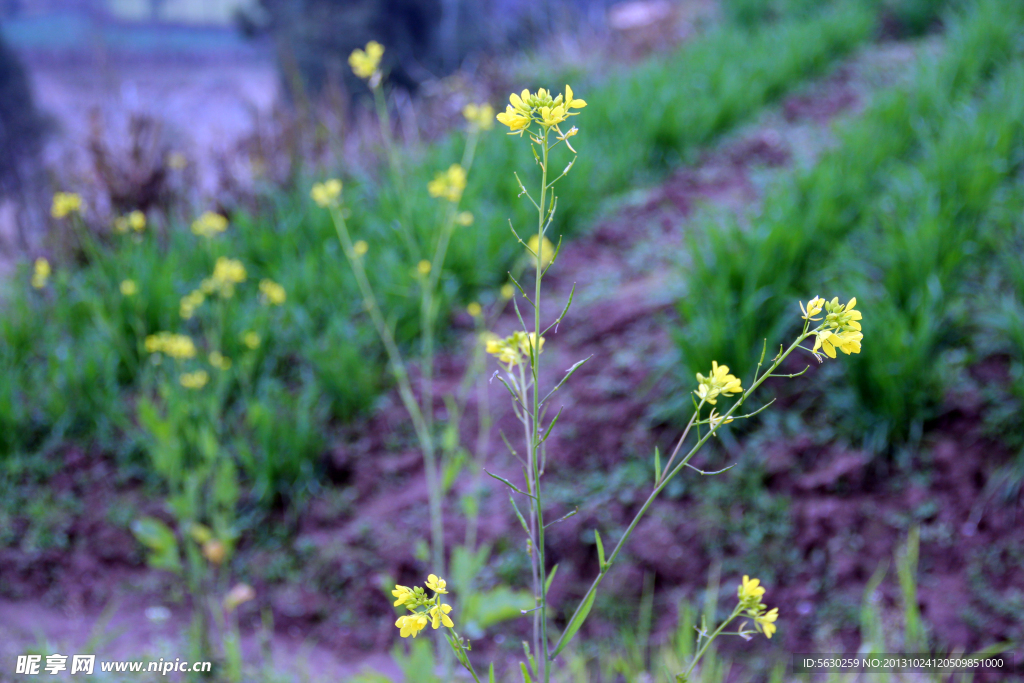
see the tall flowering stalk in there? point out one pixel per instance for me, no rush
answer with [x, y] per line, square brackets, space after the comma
[540, 117]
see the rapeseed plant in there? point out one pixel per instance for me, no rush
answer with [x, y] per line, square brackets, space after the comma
[65, 204]
[40, 273]
[538, 117]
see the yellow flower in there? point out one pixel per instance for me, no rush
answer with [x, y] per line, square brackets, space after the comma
[251, 340]
[719, 382]
[194, 380]
[480, 116]
[226, 274]
[40, 273]
[448, 184]
[326, 193]
[439, 615]
[178, 346]
[65, 203]
[423, 267]
[177, 161]
[273, 293]
[435, 584]
[715, 421]
[213, 550]
[137, 221]
[514, 348]
[766, 622]
[813, 308]
[239, 594]
[190, 303]
[528, 341]
[464, 219]
[842, 318]
[360, 248]
[209, 224]
[219, 361]
[364, 63]
[514, 119]
[547, 252]
[403, 593]
[847, 342]
[525, 108]
[129, 288]
[507, 291]
[474, 309]
[411, 624]
[750, 592]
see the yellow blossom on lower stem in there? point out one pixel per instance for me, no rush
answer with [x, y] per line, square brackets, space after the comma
[411, 624]
[767, 621]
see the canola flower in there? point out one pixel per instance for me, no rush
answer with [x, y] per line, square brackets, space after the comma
[750, 593]
[129, 288]
[423, 267]
[507, 291]
[718, 383]
[366, 63]
[190, 302]
[512, 350]
[219, 360]
[326, 194]
[226, 274]
[194, 380]
[177, 346]
[448, 184]
[65, 204]
[464, 218]
[271, 293]
[424, 610]
[841, 328]
[479, 116]
[251, 340]
[547, 251]
[209, 225]
[40, 273]
[136, 220]
[360, 248]
[474, 309]
[541, 108]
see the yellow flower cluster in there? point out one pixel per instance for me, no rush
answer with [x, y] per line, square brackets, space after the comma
[326, 194]
[448, 184]
[209, 224]
[219, 360]
[178, 346]
[226, 274]
[40, 273]
[136, 220]
[66, 203]
[719, 382]
[414, 599]
[365, 63]
[479, 116]
[251, 340]
[272, 294]
[750, 593]
[841, 329]
[547, 252]
[129, 288]
[190, 302]
[539, 107]
[512, 350]
[194, 380]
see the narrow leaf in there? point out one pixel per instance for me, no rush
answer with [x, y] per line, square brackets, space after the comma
[551, 577]
[600, 548]
[573, 627]
[562, 518]
[522, 520]
[551, 426]
[490, 674]
[657, 465]
[526, 673]
[507, 483]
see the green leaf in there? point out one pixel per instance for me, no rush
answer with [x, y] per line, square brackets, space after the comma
[657, 465]
[600, 548]
[551, 577]
[161, 542]
[490, 673]
[574, 626]
[526, 673]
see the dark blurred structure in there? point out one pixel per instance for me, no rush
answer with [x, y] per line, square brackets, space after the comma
[22, 129]
[424, 38]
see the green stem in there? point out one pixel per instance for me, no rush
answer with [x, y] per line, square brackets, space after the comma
[665, 480]
[534, 437]
[707, 643]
